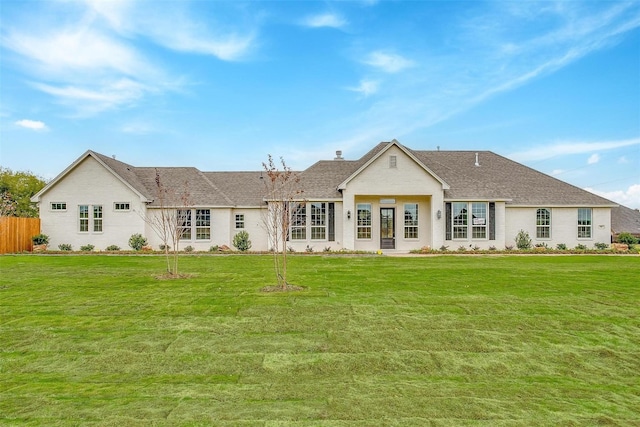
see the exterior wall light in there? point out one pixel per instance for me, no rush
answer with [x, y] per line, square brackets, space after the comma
[439, 214]
[348, 214]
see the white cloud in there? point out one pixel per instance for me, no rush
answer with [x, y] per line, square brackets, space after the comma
[629, 197]
[557, 172]
[330, 20]
[387, 62]
[32, 124]
[593, 159]
[366, 87]
[623, 160]
[568, 148]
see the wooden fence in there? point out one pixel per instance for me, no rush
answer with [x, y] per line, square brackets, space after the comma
[16, 233]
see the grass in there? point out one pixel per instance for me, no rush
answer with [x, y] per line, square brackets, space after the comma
[98, 340]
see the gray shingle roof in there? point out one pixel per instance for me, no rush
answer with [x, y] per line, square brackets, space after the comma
[625, 220]
[497, 178]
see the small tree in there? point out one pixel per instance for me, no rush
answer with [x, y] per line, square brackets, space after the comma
[283, 194]
[523, 241]
[171, 219]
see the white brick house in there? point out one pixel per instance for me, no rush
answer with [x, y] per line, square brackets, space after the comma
[393, 198]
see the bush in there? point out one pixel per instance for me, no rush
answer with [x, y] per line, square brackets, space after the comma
[601, 246]
[137, 241]
[581, 247]
[189, 249]
[113, 248]
[309, 249]
[214, 248]
[523, 241]
[561, 246]
[87, 248]
[40, 239]
[65, 247]
[626, 238]
[241, 241]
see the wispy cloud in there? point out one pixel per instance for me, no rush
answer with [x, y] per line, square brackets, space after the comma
[92, 63]
[570, 148]
[330, 20]
[593, 159]
[36, 125]
[366, 87]
[387, 62]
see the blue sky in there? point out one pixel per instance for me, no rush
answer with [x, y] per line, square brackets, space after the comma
[220, 85]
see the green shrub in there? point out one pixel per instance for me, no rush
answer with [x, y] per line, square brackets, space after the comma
[309, 249]
[581, 247]
[189, 249]
[87, 248]
[627, 238]
[40, 239]
[241, 241]
[561, 246]
[65, 247]
[601, 246]
[113, 248]
[214, 248]
[137, 241]
[523, 241]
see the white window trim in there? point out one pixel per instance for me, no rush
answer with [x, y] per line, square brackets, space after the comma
[51, 208]
[115, 206]
[370, 226]
[544, 226]
[405, 226]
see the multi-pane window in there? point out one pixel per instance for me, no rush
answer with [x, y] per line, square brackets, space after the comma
[543, 224]
[239, 220]
[393, 162]
[479, 220]
[97, 218]
[58, 206]
[83, 213]
[299, 221]
[122, 206]
[203, 224]
[364, 220]
[460, 219]
[584, 223]
[411, 221]
[318, 220]
[184, 222]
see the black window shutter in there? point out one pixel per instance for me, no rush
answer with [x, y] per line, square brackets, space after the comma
[332, 222]
[447, 217]
[492, 221]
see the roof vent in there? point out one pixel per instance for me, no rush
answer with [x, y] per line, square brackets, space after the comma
[477, 163]
[113, 156]
[338, 155]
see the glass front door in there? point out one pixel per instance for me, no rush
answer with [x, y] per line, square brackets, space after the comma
[387, 228]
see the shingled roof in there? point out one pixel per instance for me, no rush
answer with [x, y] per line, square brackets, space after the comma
[494, 178]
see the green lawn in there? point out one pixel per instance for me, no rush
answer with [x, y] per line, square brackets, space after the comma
[373, 341]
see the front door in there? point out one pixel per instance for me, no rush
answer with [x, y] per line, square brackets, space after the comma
[387, 228]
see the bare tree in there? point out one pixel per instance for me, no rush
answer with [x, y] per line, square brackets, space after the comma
[171, 220]
[283, 194]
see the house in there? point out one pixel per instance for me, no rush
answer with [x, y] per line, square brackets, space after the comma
[393, 198]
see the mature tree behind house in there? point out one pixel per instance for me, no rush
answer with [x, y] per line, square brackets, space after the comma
[283, 193]
[16, 189]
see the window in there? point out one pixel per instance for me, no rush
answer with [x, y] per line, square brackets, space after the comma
[58, 206]
[121, 206]
[364, 221]
[83, 212]
[543, 224]
[411, 221]
[203, 224]
[239, 220]
[393, 162]
[184, 222]
[584, 223]
[299, 221]
[318, 220]
[478, 220]
[97, 218]
[460, 220]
